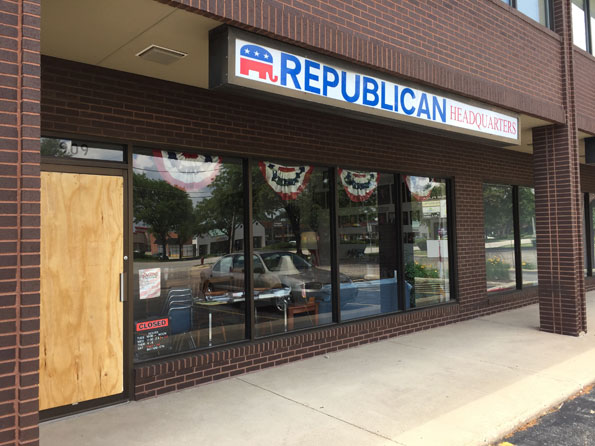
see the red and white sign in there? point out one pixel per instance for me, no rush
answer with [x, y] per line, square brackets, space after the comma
[149, 283]
[152, 325]
[290, 73]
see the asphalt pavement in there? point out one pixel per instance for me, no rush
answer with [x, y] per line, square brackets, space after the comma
[571, 424]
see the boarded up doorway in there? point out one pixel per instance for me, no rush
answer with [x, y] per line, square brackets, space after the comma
[82, 262]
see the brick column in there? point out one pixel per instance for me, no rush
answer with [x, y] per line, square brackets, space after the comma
[19, 221]
[558, 204]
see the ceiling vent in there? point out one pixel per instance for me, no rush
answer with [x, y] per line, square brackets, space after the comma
[159, 54]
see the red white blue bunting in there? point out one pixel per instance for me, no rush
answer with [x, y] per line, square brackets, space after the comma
[420, 187]
[287, 181]
[359, 186]
[188, 171]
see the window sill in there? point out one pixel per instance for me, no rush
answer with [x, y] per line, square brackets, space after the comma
[513, 295]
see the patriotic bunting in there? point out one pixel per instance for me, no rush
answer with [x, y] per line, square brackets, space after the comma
[188, 171]
[420, 187]
[358, 185]
[287, 181]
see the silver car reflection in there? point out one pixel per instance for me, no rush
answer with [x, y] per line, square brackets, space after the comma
[274, 270]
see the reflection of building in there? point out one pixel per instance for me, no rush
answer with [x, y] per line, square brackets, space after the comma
[216, 242]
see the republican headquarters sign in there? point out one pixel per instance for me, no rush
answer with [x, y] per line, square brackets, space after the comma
[252, 64]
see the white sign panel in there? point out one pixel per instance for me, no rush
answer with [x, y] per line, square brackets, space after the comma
[149, 283]
[313, 78]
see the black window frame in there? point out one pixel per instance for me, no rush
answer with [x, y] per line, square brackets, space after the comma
[588, 240]
[549, 17]
[248, 248]
[518, 260]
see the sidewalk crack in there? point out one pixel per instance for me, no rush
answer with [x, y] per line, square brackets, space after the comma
[322, 413]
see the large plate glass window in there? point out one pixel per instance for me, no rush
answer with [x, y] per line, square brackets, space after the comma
[499, 237]
[292, 251]
[425, 241]
[367, 250]
[188, 215]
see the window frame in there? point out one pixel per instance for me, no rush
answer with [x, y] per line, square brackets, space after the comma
[588, 240]
[589, 38]
[518, 260]
[549, 18]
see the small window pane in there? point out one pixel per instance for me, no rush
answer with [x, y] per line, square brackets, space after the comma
[71, 149]
[528, 239]
[536, 9]
[425, 234]
[499, 237]
[367, 243]
[579, 32]
[292, 266]
[592, 20]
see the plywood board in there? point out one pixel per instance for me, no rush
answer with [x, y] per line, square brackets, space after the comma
[81, 344]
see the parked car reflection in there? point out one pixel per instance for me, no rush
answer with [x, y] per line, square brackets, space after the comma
[276, 269]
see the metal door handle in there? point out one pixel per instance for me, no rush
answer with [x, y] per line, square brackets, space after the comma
[122, 293]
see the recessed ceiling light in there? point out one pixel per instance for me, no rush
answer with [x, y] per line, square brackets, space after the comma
[159, 54]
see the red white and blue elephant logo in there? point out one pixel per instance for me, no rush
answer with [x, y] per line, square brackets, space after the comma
[256, 58]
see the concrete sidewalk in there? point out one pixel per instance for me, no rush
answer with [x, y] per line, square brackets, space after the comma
[463, 384]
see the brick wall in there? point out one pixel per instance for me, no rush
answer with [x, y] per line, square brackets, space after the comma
[80, 99]
[201, 368]
[19, 221]
[482, 49]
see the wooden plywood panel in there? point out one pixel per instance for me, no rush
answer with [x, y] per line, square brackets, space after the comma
[81, 344]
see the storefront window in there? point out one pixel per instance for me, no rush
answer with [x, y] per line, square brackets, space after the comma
[187, 225]
[425, 234]
[292, 251]
[499, 237]
[190, 263]
[367, 243]
[528, 239]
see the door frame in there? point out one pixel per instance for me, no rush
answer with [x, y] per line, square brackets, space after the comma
[119, 170]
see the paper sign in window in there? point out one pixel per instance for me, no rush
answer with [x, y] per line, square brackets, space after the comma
[149, 283]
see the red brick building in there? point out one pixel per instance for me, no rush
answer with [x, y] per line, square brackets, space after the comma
[410, 164]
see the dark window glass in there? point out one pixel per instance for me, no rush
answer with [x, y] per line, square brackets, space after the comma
[499, 237]
[579, 30]
[592, 216]
[367, 243]
[589, 237]
[292, 272]
[425, 234]
[186, 297]
[71, 149]
[528, 239]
